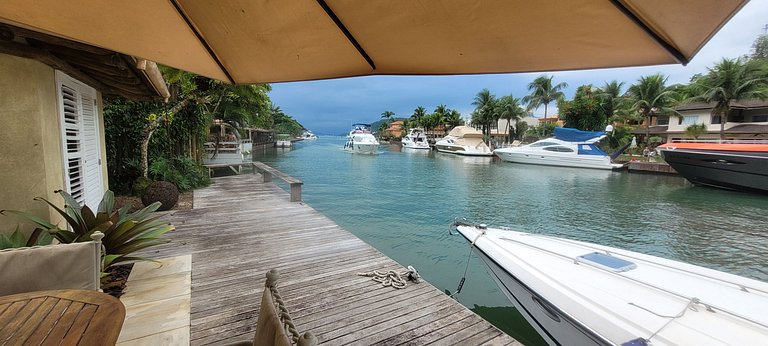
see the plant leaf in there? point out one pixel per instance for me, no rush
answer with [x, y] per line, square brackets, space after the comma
[88, 217]
[107, 203]
[69, 200]
[42, 223]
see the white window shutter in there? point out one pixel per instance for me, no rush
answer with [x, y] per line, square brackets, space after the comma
[80, 137]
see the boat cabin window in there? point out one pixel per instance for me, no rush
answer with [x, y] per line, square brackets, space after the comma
[607, 262]
[559, 149]
[543, 144]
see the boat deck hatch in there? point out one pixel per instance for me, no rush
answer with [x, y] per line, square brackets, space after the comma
[606, 262]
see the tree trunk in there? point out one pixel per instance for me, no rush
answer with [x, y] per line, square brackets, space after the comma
[545, 110]
[145, 150]
[648, 129]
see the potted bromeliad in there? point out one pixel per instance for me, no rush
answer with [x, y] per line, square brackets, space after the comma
[125, 233]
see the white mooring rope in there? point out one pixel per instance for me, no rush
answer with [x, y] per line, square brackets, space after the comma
[393, 278]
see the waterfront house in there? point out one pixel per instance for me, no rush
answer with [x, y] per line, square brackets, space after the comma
[748, 120]
[51, 108]
[395, 129]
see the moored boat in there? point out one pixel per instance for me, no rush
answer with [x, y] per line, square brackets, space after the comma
[416, 139]
[464, 140]
[361, 140]
[732, 166]
[568, 148]
[579, 293]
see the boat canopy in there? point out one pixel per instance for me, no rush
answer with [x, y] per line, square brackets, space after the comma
[465, 132]
[590, 149]
[574, 135]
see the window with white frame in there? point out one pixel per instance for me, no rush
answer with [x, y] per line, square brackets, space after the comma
[689, 120]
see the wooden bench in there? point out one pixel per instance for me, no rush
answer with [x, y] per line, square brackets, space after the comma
[267, 172]
[222, 165]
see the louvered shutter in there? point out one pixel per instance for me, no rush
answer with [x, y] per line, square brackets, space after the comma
[80, 136]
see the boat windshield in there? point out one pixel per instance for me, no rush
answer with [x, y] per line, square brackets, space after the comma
[543, 144]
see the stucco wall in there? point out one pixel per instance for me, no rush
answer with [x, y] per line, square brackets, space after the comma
[30, 140]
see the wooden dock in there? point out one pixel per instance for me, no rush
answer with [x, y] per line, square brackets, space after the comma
[241, 227]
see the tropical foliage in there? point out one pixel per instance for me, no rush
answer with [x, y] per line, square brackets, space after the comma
[650, 97]
[124, 233]
[695, 130]
[586, 111]
[543, 92]
[729, 81]
[18, 239]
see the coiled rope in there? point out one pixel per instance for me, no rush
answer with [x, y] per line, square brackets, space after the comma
[394, 278]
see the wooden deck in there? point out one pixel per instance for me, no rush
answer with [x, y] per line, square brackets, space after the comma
[241, 227]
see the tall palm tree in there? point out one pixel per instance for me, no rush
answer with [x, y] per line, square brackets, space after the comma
[454, 119]
[610, 95]
[508, 107]
[418, 113]
[544, 93]
[731, 80]
[387, 115]
[651, 97]
[485, 109]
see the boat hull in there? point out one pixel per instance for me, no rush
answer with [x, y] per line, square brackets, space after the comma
[578, 293]
[742, 171]
[578, 161]
[363, 148]
[416, 145]
[555, 326]
[460, 150]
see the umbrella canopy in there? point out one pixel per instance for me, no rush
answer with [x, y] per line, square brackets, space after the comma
[258, 41]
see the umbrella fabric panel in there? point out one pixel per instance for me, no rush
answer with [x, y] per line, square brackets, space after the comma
[271, 41]
[147, 29]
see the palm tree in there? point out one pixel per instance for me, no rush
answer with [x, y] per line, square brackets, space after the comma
[454, 119]
[544, 93]
[418, 113]
[731, 80]
[651, 97]
[696, 130]
[485, 104]
[610, 95]
[508, 107]
[387, 115]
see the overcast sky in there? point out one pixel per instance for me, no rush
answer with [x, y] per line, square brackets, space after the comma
[331, 106]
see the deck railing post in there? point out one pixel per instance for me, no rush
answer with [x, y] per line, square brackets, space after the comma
[296, 192]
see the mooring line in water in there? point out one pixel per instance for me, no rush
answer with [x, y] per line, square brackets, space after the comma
[466, 268]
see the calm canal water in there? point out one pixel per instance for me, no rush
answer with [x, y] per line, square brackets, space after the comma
[401, 202]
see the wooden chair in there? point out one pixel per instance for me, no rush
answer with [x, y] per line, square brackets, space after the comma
[274, 326]
[51, 267]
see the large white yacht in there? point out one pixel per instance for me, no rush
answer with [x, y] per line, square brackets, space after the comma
[569, 148]
[361, 140]
[464, 140]
[579, 293]
[416, 139]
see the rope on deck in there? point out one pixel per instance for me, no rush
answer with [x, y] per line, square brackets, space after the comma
[394, 278]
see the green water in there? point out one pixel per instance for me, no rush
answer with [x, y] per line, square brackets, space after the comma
[402, 203]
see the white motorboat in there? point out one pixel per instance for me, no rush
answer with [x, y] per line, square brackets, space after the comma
[308, 135]
[578, 293]
[361, 140]
[464, 140]
[416, 139]
[569, 148]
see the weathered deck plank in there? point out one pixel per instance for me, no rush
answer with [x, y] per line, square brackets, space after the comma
[241, 227]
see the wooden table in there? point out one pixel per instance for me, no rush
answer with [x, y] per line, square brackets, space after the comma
[63, 317]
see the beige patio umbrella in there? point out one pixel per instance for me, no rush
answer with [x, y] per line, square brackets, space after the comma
[250, 41]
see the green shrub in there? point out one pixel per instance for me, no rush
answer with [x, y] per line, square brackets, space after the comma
[17, 239]
[181, 171]
[124, 233]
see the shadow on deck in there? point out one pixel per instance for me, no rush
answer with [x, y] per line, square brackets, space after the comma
[241, 227]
